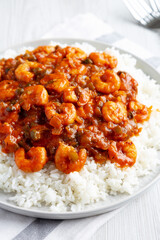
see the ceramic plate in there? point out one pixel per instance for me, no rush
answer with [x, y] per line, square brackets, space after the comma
[101, 207]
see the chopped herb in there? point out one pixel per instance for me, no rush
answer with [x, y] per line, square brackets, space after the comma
[28, 85]
[37, 71]
[35, 135]
[87, 61]
[13, 102]
[7, 70]
[26, 131]
[51, 81]
[23, 144]
[91, 86]
[30, 57]
[33, 124]
[19, 91]
[11, 108]
[56, 47]
[131, 116]
[118, 130]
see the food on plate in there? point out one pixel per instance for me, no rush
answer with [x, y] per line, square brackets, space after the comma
[72, 117]
[82, 101]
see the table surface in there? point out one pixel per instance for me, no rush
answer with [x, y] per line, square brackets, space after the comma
[28, 20]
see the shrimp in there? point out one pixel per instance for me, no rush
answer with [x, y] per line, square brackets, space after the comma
[23, 73]
[114, 112]
[8, 112]
[7, 89]
[33, 95]
[139, 111]
[9, 69]
[68, 113]
[50, 109]
[71, 66]
[77, 94]
[69, 95]
[68, 160]
[9, 144]
[33, 161]
[85, 111]
[5, 130]
[50, 56]
[74, 52]
[128, 84]
[7, 140]
[107, 83]
[56, 81]
[66, 116]
[102, 59]
[120, 96]
[46, 49]
[123, 153]
[84, 95]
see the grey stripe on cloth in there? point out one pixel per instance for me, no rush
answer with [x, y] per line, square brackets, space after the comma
[110, 38]
[154, 61]
[38, 229]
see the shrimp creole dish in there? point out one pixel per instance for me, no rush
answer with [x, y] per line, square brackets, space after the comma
[75, 125]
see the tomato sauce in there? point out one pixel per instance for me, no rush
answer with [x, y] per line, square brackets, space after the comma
[60, 105]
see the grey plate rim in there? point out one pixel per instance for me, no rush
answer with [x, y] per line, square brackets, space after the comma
[98, 210]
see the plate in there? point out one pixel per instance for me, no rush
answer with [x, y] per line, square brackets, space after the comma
[101, 207]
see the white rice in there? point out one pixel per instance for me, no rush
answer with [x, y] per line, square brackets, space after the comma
[94, 182]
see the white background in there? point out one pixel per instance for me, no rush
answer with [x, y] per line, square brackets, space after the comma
[25, 20]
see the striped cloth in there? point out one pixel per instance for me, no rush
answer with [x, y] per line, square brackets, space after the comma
[17, 227]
